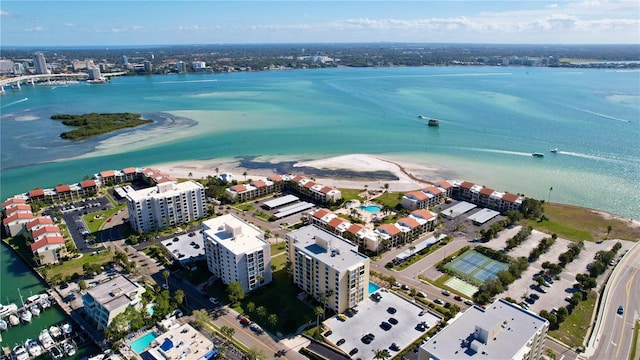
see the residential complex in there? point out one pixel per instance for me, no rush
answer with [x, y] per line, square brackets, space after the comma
[501, 331]
[181, 342]
[328, 267]
[237, 251]
[167, 204]
[105, 301]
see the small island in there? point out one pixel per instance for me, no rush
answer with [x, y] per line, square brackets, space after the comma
[92, 125]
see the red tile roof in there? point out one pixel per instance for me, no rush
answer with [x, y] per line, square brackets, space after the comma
[47, 240]
[42, 220]
[259, 183]
[354, 228]
[13, 201]
[418, 195]
[297, 178]
[326, 189]
[510, 197]
[62, 188]
[17, 216]
[16, 208]
[321, 213]
[239, 188]
[433, 190]
[53, 229]
[335, 222]
[129, 170]
[275, 178]
[444, 184]
[36, 193]
[411, 222]
[486, 191]
[423, 213]
[107, 173]
[389, 229]
[309, 184]
[87, 184]
[467, 185]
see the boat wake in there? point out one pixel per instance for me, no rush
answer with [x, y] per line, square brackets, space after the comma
[188, 81]
[15, 102]
[592, 157]
[506, 152]
[601, 115]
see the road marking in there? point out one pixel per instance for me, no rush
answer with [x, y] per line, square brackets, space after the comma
[626, 305]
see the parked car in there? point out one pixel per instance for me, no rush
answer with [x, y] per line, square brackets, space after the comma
[446, 293]
[393, 321]
[328, 333]
[391, 310]
[340, 342]
[458, 298]
[353, 351]
[342, 317]
[385, 326]
[438, 301]
[214, 301]
[421, 294]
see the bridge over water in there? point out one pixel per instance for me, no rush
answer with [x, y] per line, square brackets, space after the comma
[18, 81]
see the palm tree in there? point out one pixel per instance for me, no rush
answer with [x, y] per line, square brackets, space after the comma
[381, 354]
[550, 189]
[318, 311]
[609, 228]
[165, 275]
[245, 175]
[386, 189]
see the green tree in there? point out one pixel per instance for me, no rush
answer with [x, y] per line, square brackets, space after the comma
[318, 311]
[179, 296]
[256, 354]
[272, 319]
[82, 284]
[228, 332]
[261, 311]
[381, 354]
[201, 317]
[235, 292]
[165, 275]
[251, 307]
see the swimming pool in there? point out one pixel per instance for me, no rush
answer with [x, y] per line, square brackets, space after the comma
[142, 343]
[373, 288]
[370, 208]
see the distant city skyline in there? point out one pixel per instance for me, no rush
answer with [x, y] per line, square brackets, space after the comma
[131, 23]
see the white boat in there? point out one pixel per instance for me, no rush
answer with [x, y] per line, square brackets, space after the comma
[44, 302]
[33, 347]
[55, 331]
[25, 315]
[3, 325]
[46, 340]
[68, 347]
[8, 309]
[19, 353]
[555, 151]
[66, 328]
[35, 310]
[33, 298]
[13, 320]
[56, 352]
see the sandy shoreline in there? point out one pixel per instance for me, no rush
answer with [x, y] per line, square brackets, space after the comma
[360, 164]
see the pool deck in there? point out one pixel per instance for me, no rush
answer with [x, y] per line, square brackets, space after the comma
[353, 208]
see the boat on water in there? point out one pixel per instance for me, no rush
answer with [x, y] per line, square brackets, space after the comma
[55, 331]
[538, 155]
[8, 309]
[26, 315]
[68, 347]
[45, 303]
[555, 150]
[56, 352]
[46, 340]
[19, 353]
[421, 116]
[35, 309]
[433, 122]
[13, 320]
[3, 325]
[33, 347]
[33, 298]
[67, 329]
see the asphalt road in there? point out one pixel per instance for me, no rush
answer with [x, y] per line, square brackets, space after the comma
[615, 335]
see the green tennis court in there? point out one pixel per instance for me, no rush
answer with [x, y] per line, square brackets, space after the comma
[475, 267]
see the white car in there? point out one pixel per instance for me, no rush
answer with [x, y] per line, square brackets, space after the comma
[165, 286]
[213, 300]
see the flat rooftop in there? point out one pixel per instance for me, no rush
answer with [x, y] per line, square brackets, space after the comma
[114, 293]
[163, 191]
[498, 332]
[184, 343]
[330, 249]
[234, 234]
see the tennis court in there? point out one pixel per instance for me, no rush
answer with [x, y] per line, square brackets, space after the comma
[475, 267]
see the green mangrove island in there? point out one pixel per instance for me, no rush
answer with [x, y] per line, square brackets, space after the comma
[92, 125]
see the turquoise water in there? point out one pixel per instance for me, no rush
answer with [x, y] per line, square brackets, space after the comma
[142, 343]
[491, 118]
[373, 288]
[370, 208]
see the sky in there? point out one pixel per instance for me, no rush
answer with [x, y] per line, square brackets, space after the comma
[159, 22]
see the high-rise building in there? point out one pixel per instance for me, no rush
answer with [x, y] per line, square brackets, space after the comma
[148, 67]
[94, 74]
[125, 60]
[103, 302]
[501, 331]
[328, 267]
[198, 66]
[40, 63]
[6, 66]
[181, 67]
[167, 204]
[237, 251]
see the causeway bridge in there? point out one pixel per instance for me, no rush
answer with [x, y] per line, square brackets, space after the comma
[18, 81]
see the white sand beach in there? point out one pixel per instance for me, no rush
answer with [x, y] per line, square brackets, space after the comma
[406, 172]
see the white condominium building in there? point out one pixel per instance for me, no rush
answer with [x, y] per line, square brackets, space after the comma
[105, 301]
[328, 267]
[236, 251]
[502, 331]
[166, 204]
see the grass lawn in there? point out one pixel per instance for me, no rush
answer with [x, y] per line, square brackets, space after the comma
[578, 223]
[72, 266]
[351, 194]
[573, 330]
[634, 346]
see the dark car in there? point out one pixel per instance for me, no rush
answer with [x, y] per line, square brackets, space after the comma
[394, 347]
[393, 321]
[353, 351]
[366, 339]
[535, 296]
[340, 342]
[457, 297]
[328, 333]
[620, 310]
[385, 326]
[391, 310]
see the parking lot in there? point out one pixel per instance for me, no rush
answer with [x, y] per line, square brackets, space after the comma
[552, 296]
[350, 332]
